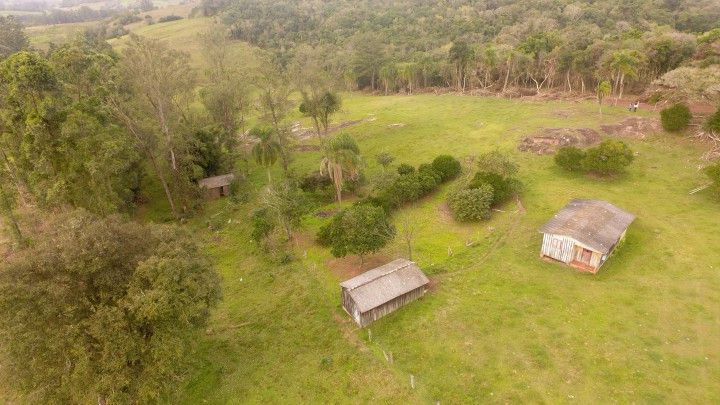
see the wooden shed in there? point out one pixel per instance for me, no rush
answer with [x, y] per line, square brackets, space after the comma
[217, 186]
[584, 233]
[380, 291]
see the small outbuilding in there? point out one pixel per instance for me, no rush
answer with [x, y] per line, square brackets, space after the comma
[584, 233]
[380, 291]
[217, 186]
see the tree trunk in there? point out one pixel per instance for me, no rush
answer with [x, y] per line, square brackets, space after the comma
[507, 76]
[622, 86]
[6, 210]
[164, 183]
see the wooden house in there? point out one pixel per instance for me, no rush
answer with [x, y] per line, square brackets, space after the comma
[217, 186]
[382, 290]
[584, 233]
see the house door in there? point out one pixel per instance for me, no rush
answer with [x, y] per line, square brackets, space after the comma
[584, 255]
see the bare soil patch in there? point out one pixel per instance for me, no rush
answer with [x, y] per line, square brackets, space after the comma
[549, 140]
[304, 133]
[633, 127]
[349, 266]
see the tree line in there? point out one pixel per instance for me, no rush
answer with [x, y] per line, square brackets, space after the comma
[495, 46]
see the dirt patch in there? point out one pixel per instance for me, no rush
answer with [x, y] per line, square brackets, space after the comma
[633, 127]
[549, 140]
[349, 266]
[304, 133]
[562, 113]
[397, 125]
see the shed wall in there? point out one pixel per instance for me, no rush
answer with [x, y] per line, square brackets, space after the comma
[368, 317]
[558, 247]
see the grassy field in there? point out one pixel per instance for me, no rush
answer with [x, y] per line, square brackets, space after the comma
[499, 324]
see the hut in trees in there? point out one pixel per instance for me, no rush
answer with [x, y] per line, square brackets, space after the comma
[584, 233]
[380, 291]
[217, 186]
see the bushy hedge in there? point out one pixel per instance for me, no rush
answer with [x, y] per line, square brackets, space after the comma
[169, 18]
[610, 157]
[713, 123]
[411, 184]
[570, 158]
[713, 172]
[405, 168]
[675, 118]
[492, 185]
[471, 204]
[447, 167]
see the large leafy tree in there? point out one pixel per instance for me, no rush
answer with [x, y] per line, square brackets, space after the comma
[341, 162]
[103, 310]
[58, 143]
[360, 230]
[12, 36]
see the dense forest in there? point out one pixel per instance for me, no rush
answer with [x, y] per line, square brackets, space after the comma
[494, 45]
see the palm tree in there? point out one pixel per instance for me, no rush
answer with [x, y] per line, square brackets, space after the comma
[342, 161]
[267, 150]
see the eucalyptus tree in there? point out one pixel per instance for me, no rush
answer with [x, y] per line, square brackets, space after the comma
[227, 95]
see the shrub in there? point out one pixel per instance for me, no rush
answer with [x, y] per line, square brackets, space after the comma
[169, 18]
[428, 179]
[713, 122]
[447, 167]
[471, 204]
[675, 118]
[570, 158]
[610, 157]
[314, 182]
[405, 168]
[407, 188]
[262, 225]
[496, 162]
[502, 187]
[713, 172]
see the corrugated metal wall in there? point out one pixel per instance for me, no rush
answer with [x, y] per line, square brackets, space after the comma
[558, 247]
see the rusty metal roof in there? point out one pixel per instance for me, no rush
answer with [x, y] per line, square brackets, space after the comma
[217, 181]
[594, 223]
[382, 284]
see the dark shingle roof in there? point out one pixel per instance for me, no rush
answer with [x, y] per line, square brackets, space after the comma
[217, 181]
[594, 223]
[385, 283]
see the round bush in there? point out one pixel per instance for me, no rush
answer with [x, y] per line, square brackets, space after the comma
[713, 122]
[713, 172]
[570, 158]
[675, 118]
[405, 168]
[610, 157]
[447, 167]
[502, 187]
[471, 204]
[407, 188]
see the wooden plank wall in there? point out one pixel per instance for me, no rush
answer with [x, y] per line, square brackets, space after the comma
[390, 306]
[558, 247]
